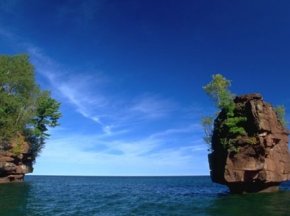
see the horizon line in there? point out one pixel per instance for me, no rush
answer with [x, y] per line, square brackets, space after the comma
[41, 175]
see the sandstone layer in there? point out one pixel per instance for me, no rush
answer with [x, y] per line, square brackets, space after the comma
[14, 167]
[261, 160]
[15, 160]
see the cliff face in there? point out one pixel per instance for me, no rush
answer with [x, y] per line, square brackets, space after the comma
[15, 161]
[14, 167]
[261, 160]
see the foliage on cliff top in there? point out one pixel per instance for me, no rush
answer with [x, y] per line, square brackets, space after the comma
[218, 90]
[24, 108]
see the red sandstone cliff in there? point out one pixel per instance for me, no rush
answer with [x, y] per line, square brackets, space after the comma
[15, 161]
[261, 161]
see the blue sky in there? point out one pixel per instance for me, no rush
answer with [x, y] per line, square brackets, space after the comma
[129, 75]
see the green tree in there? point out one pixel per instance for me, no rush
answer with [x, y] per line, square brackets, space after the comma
[218, 90]
[16, 85]
[47, 115]
[25, 109]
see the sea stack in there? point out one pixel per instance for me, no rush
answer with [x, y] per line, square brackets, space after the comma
[15, 160]
[258, 160]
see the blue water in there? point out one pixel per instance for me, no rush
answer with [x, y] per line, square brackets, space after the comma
[60, 196]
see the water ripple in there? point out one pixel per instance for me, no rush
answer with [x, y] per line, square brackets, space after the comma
[107, 196]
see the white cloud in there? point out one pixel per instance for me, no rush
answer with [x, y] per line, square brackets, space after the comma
[111, 152]
[120, 157]
[169, 132]
[153, 106]
[86, 92]
[103, 154]
[107, 129]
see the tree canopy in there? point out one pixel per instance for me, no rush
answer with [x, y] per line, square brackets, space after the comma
[25, 109]
[218, 90]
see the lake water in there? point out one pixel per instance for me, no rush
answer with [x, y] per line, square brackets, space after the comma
[88, 196]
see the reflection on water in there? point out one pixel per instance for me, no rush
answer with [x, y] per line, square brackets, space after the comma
[251, 204]
[13, 199]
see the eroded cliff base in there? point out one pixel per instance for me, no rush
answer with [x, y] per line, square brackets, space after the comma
[13, 167]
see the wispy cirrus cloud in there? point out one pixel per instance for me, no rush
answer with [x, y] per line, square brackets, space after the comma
[85, 90]
[172, 132]
[104, 155]
[152, 106]
[119, 148]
